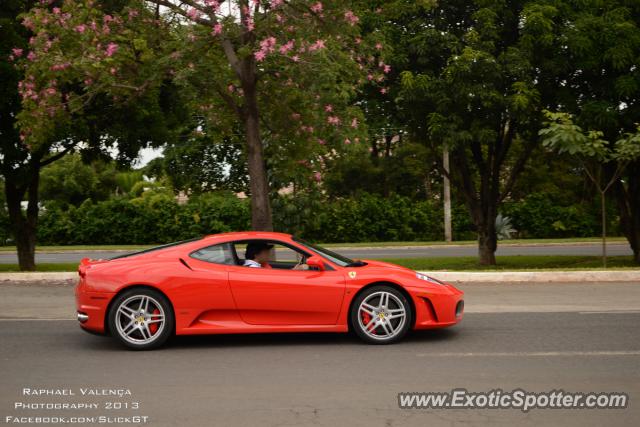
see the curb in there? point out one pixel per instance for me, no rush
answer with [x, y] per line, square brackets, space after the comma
[595, 276]
[585, 276]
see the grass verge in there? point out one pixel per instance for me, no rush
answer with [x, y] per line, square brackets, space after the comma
[524, 262]
[517, 262]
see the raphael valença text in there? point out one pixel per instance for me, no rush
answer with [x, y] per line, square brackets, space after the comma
[81, 391]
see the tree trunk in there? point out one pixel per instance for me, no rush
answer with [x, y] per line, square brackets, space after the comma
[24, 225]
[446, 190]
[487, 244]
[628, 201]
[603, 211]
[258, 182]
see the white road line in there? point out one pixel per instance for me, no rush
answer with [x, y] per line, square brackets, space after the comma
[534, 354]
[612, 312]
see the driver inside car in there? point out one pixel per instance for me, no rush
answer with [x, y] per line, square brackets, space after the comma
[258, 255]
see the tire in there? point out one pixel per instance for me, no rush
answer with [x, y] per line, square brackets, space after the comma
[141, 319]
[387, 314]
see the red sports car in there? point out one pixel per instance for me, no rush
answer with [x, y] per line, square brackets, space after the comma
[251, 282]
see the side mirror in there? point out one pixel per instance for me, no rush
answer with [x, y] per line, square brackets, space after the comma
[315, 262]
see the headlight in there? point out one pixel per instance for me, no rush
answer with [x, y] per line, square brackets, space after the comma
[428, 278]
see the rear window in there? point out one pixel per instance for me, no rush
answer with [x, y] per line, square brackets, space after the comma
[157, 248]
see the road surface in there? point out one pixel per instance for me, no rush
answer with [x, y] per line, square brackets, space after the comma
[537, 337]
[434, 251]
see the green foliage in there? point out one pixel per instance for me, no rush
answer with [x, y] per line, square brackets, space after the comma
[563, 135]
[153, 218]
[540, 216]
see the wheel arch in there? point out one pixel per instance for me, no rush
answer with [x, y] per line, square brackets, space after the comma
[137, 286]
[394, 285]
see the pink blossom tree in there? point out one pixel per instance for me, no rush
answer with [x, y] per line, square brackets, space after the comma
[283, 72]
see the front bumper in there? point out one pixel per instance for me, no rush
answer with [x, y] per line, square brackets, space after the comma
[438, 308]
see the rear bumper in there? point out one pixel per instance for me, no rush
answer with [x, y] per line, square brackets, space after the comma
[92, 309]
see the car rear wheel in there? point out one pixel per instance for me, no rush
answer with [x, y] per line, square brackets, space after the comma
[142, 319]
[381, 315]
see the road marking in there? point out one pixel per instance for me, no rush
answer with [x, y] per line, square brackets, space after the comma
[612, 312]
[535, 354]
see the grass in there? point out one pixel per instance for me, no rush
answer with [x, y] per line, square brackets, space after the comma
[517, 262]
[576, 240]
[525, 262]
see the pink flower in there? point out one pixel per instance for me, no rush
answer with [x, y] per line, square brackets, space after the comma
[111, 49]
[56, 10]
[260, 55]
[328, 108]
[268, 44]
[386, 69]
[80, 28]
[347, 141]
[107, 18]
[286, 47]
[333, 120]
[276, 3]
[317, 176]
[321, 141]
[379, 46]
[319, 44]
[217, 29]
[31, 56]
[384, 90]
[317, 8]
[231, 88]
[17, 52]
[354, 123]
[193, 13]
[214, 4]
[295, 58]
[351, 18]
[133, 13]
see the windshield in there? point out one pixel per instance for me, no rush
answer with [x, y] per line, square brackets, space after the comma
[335, 258]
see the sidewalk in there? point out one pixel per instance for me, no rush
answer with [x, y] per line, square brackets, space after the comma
[506, 277]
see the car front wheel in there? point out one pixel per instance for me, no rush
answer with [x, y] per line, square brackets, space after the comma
[381, 315]
[142, 319]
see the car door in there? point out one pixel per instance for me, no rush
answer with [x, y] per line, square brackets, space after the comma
[282, 296]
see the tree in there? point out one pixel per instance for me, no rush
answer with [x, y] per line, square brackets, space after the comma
[20, 167]
[595, 154]
[47, 130]
[284, 71]
[471, 79]
[597, 55]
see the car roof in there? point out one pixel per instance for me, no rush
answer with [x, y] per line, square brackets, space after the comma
[242, 235]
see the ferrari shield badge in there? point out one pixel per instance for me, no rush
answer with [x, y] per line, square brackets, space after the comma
[352, 274]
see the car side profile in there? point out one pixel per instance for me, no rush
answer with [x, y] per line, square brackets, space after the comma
[202, 286]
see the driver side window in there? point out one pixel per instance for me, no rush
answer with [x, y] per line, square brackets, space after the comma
[280, 257]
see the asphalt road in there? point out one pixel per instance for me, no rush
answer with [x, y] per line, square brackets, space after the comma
[387, 252]
[537, 337]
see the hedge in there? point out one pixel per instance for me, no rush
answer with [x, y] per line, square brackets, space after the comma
[158, 218]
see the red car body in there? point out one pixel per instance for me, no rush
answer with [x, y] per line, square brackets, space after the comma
[209, 298]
